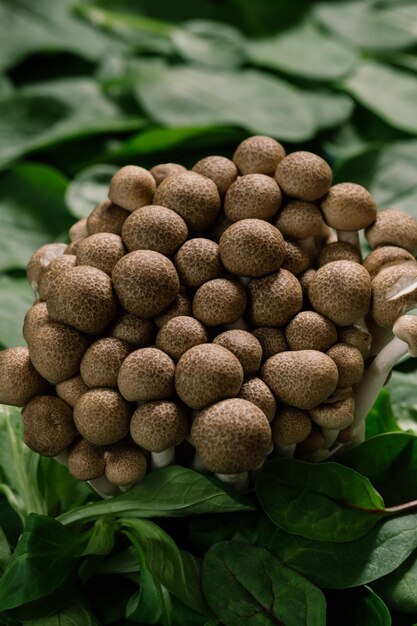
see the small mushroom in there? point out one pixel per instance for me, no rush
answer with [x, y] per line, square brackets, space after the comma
[385, 256]
[102, 251]
[222, 171]
[181, 306]
[296, 259]
[338, 251]
[48, 425]
[154, 228]
[107, 217]
[333, 417]
[85, 461]
[134, 330]
[394, 292]
[179, 335]
[244, 346]
[219, 301]
[146, 374]
[290, 427]
[102, 361]
[258, 155]
[312, 447]
[36, 317]
[53, 272]
[299, 220]
[163, 170]
[19, 380]
[40, 260]
[197, 262]
[309, 330]
[304, 175]
[125, 465]
[272, 341]
[78, 230]
[132, 187]
[349, 363]
[357, 337]
[393, 227]
[256, 391]
[102, 416]
[252, 196]
[71, 389]
[274, 299]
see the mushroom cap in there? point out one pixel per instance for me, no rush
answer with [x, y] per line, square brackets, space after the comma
[299, 220]
[302, 378]
[197, 262]
[274, 299]
[222, 171]
[206, 374]
[219, 301]
[132, 187]
[82, 298]
[314, 442]
[19, 380]
[244, 346]
[194, 197]
[56, 351]
[179, 335]
[146, 282]
[338, 251]
[231, 436]
[71, 389]
[304, 280]
[290, 426]
[304, 175]
[51, 273]
[309, 330]
[163, 170]
[78, 230]
[219, 226]
[101, 362]
[180, 306]
[385, 310]
[393, 227]
[252, 196]
[72, 247]
[296, 259]
[252, 247]
[341, 291]
[256, 391]
[136, 331]
[349, 363]
[385, 256]
[106, 217]
[102, 416]
[157, 426]
[36, 317]
[48, 425]
[154, 228]
[348, 206]
[258, 154]
[336, 415]
[101, 250]
[357, 337]
[405, 328]
[40, 260]
[272, 340]
[85, 461]
[125, 465]
[146, 374]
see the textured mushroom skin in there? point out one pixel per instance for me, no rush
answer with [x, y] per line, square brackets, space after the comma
[304, 175]
[385, 311]
[154, 228]
[125, 465]
[272, 340]
[384, 256]
[48, 425]
[102, 251]
[19, 380]
[197, 262]
[102, 416]
[357, 337]
[405, 328]
[163, 170]
[106, 218]
[338, 251]
[222, 171]
[349, 363]
[71, 389]
[393, 227]
[310, 331]
[36, 317]
[231, 436]
[101, 362]
[156, 426]
[336, 416]
[134, 330]
[258, 155]
[296, 259]
[219, 301]
[52, 272]
[40, 260]
[85, 461]
[256, 391]
[299, 220]
[132, 187]
[274, 299]
[290, 426]
[244, 346]
[179, 335]
[349, 207]
[146, 374]
[252, 196]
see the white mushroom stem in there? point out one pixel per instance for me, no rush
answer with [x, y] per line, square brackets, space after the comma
[349, 236]
[284, 451]
[103, 487]
[330, 437]
[162, 459]
[240, 481]
[197, 464]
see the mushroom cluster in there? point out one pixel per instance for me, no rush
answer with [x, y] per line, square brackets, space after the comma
[213, 317]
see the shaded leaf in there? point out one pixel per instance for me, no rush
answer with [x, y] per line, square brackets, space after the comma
[403, 389]
[5, 552]
[381, 417]
[398, 589]
[209, 43]
[357, 607]
[329, 108]
[76, 614]
[16, 297]
[88, 188]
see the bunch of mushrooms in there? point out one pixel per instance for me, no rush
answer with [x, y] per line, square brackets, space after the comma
[213, 317]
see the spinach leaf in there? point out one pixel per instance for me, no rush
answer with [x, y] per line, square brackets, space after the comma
[151, 604]
[329, 108]
[16, 297]
[5, 552]
[381, 417]
[58, 488]
[76, 614]
[326, 502]
[245, 584]
[206, 530]
[88, 188]
[398, 589]
[209, 43]
[403, 389]
[357, 607]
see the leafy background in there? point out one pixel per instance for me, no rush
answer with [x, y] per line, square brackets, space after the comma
[86, 87]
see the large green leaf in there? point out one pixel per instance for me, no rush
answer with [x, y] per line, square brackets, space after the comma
[209, 43]
[380, 418]
[88, 188]
[399, 589]
[16, 298]
[248, 585]
[357, 607]
[403, 389]
[329, 108]
[5, 552]
[76, 614]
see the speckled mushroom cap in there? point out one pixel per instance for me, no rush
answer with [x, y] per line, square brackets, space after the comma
[102, 416]
[48, 425]
[305, 279]
[299, 220]
[125, 465]
[219, 301]
[101, 362]
[302, 378]
[405, 328]
[19, 380]
[290, 426]
[163, 170]
[107, 217]
[335, 416]
[146, 374]
[222, 171]
[132, 187]
[71, 389]
[207, 373]
[244, 346]
[309, 330]
[338, 251]
[231, 436]
[136, 331]
[36, 317]
[194, 197]
[56, 351]
[296, 259]
[72, 247]
[180, 306]
[78, 230]
[274, 299]
[85, 461]
[258, 155]
[40, 260]
[217, 229]
[393, 227]
[101, 250]
[179, 335]
[154, 228]
[50, 274]
[272, 340]
[146, 282]
[256, 391]
[252, 247]
[82, 298]
[314, 442]
[198, 261]
[304, 175]
[349, 363]
[252, 196]
[348, 206]
[341, 291]
[385, 256]
[157, 426]
[384, 310]
[357, 337]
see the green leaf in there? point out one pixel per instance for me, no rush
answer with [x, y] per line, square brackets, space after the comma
[89, 188]
[326, 501]
[398, 589]
[303, 51]
[206, 530]
[357, 607]
[152, 603]
[185, 96]
[16, 297]
[209, 43]
[248, 585]
[395, 105]
[403, 389]
[100, 539]
[5, 552]
[381, 417]
[59, 489]
[173, 491]
[77, 614]
[329, 108]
